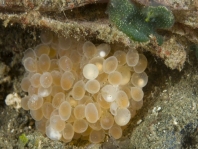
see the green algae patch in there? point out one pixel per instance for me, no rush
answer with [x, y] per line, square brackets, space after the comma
[139, 23]
[23, 140]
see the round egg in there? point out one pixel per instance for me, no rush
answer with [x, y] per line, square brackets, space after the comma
[141, 65]
[91, 113]
[122, 117]
[110, 64]
[103, 50]
[89, 49]
[90, 71]
[92, 86]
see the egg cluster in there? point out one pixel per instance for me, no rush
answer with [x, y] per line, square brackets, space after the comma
[78, 89]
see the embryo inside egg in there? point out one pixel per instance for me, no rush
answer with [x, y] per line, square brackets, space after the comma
[78, 88]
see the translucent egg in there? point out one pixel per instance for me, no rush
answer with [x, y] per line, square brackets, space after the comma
[44, 92]
[97, 136]
[78, 90]
[80, 125]
[65, 140]
[102, 79]
[132, 57]
[41, 125]
[55, 41]
[91, 113]
[56, 89]
[106, 121]
[67, 80]
[115, 131]
[133, 112]
[110, 64]
[79, 111]
[65, 63]
[79, 46]
[122, 99]
[29, 74]
[84, 61]
[121, 57]
[103, 50]
[136, 104]
[42, 49]
[65, 110]
[44, 62]
[37, 115]
[53, 52]
[46, 37]
[99, 109]
[104, 104]
[92, 86]
[47, 109]
[88, 100]
[53, 134]
[126, 74]
[29, 53]
[30, 64]
[115, 78]
[137, 94]
[46, 80]
[56, 76]
[141, 65]
[68, 132]
[77, 74]
[122, 117]
[35, 102]
[47, 123]
[64, 43]
[24, 102]
[62, 53]
[90, 71]
[54, 112]
[85, 134]
[54, 65]
[109, 93]
[48, 99]
[32, 90]
[127, 90]
[95, 126]
[77, 71]
[75, 56]
[139, 79]
[89, 49]
[71, 118]
[85, 99]
[113, 108]
[58, 99]
[72, 101]
[57, 123]
[35, 80]
[98, 61]
[25, 83]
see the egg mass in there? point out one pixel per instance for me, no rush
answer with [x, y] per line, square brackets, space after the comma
[80, 89]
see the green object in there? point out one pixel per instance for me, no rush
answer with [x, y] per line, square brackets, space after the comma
[23, 139]
[139, 23]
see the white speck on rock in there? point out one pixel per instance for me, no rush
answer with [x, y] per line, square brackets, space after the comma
[156, 110]
[13, 100]
[139, 121]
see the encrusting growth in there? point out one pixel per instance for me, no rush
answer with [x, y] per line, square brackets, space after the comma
[77, 88]
[139, 23]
